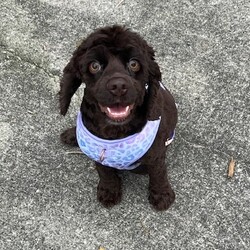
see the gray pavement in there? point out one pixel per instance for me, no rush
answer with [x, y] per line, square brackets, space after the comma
[48, 194]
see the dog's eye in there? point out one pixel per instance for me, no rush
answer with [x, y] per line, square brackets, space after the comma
[94, 67]
[134, 65]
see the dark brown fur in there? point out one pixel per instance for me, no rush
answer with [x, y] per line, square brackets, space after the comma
[114, 47]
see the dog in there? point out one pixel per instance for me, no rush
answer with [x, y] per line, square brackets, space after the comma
[127, 117]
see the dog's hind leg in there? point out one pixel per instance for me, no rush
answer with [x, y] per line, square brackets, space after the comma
[69, 137]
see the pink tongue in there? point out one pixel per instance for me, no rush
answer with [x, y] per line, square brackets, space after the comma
[117, 109]
[118, 112]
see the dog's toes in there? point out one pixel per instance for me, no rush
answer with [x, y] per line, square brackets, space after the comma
[109, 196]
[69, 137]
[162, 200]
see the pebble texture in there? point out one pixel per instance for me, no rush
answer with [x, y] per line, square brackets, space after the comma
[48, 197]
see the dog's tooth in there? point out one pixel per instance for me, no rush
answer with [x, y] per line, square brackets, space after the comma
[109, 110]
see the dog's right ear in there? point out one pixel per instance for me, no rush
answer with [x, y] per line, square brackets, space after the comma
[69, 83]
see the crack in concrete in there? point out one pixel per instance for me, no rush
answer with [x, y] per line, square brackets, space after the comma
[23, 59]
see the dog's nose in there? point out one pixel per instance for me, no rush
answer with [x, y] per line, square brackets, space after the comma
[118, 86]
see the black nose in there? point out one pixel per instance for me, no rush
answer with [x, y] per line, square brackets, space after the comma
[118, 86]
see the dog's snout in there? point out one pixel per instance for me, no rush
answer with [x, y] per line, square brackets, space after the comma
[118, 86]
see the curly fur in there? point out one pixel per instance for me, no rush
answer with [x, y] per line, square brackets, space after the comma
[116, 85]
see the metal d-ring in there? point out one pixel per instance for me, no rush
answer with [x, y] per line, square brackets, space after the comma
[102, 155]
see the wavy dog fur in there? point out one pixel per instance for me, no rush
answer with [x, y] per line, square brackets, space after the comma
[119, 70]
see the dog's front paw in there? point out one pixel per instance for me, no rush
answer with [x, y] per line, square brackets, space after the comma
[109, 195]
[69, 137]
[162, 199]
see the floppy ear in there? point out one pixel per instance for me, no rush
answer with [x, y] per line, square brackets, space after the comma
[69, 83]
[154, 99]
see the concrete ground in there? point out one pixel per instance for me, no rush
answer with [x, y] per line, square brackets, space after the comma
[48, 193]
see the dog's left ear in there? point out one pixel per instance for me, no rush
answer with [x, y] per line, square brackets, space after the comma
[69, 83]
[153, 87]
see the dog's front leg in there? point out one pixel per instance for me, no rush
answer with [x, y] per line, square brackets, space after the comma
[161, 195]
[109, 188]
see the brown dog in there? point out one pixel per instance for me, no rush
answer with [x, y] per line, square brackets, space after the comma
[126, 107]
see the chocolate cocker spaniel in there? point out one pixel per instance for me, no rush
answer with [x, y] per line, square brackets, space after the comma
[127, 117]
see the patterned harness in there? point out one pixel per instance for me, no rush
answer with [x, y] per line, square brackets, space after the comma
[122, 153]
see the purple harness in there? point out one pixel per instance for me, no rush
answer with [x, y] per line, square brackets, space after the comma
[122, 153]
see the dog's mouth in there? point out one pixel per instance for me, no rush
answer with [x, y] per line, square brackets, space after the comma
[117, 112]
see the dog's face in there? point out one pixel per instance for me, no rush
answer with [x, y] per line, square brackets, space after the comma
[118, 69]
[116, 77]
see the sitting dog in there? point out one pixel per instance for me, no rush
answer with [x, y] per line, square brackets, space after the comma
[127, 117]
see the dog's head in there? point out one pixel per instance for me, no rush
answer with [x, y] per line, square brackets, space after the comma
[119, 71]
